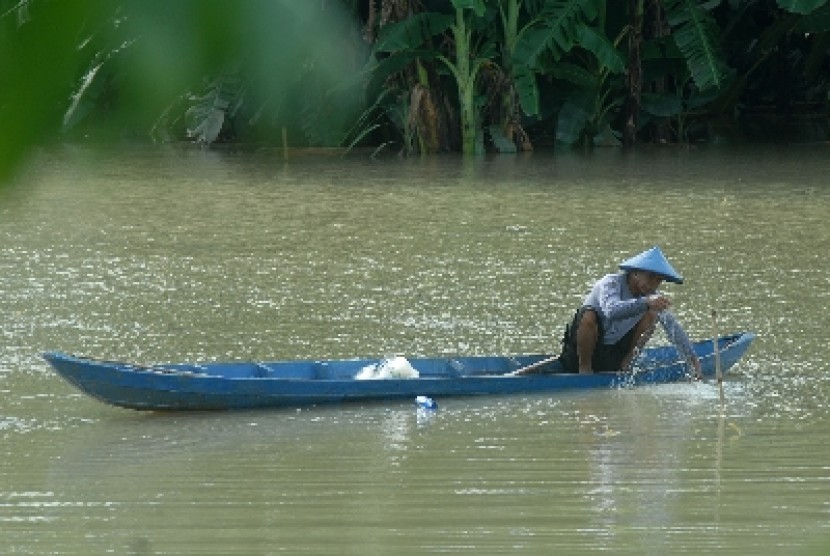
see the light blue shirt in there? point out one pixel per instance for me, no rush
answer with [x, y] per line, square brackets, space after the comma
[620, 310]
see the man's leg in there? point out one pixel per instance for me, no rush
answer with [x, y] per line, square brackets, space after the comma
[643, 331]
[587, 335]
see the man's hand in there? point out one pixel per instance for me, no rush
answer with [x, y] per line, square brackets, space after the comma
[696, 373]
[658, 302]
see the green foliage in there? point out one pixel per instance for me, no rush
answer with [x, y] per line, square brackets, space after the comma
[567, 40]
[555, 30]
[482, 69]
[134, 67]
[803, 7]
[574, 118]
[818, 22]
[595, 42]
[500, 141]
[662, 105]
[695, 33]
[38, 64]
[206, 116]
[412, 32]
[465, 68]
[527, 89]
[476, 6]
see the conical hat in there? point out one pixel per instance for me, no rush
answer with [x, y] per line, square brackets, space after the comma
[654, 261]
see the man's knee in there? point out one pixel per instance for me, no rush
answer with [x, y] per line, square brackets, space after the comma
[587, 331]
[589, 319]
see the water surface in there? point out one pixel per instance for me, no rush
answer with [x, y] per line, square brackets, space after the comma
[176, 254]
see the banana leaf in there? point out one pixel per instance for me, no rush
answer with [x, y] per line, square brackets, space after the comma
[803, 7]
[412, 32]
[695, 33]
[527, 89]
[597, 43]
[206, 117]
[818, 22]
[573, 119]
[477, 6]
[557, 31]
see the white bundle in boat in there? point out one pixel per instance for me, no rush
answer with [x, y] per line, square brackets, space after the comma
[396, 367]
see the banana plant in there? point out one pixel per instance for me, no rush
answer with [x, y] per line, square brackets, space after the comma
[690, 59]
[465, 70]
[219, 102]
[597, 90]
[695, 33]
[524, 77]
[407, 41]
[546, 45]
[548, 27]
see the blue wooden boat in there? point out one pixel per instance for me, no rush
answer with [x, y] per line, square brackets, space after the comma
[244, 385]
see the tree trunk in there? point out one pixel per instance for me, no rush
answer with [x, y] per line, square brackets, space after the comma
[635, 72]
[657, 27]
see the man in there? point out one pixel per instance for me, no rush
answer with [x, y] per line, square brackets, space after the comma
[619, 315]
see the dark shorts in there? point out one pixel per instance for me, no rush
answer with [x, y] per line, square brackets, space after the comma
[607, 358]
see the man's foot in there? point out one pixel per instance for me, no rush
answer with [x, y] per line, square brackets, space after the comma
[587, 371]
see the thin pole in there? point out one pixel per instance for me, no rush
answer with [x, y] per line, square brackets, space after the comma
[284, 144]
[718, 370]
[529, 369]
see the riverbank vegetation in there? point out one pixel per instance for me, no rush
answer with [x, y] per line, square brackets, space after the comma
[414, 76]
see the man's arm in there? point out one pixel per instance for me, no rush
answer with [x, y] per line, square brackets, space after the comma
[677, 336]
[616, 308]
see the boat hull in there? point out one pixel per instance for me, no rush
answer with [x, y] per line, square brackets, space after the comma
[248, 385]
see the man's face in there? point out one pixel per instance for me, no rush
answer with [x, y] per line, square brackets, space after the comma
[646, 283]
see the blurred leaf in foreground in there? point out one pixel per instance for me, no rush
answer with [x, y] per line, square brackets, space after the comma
[123, 68]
